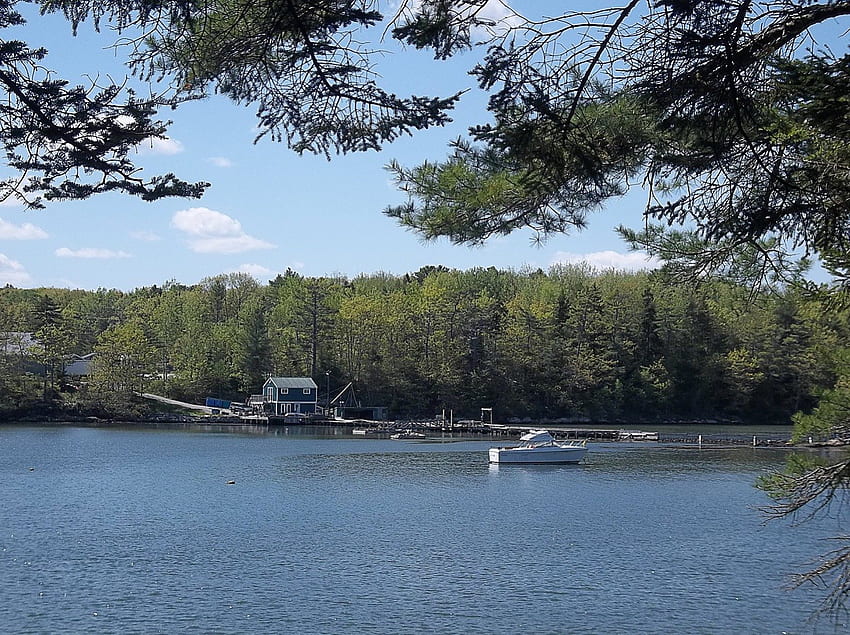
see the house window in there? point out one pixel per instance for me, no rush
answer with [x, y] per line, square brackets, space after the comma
[306, 391]
[284, 391]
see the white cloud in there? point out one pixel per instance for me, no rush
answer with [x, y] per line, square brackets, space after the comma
[155, 145]
[496, 18]
[13, 200]
[27, 231]
[228, 244]
[213, 232]
[12, 272]
[90, 252]
[147, 236]
[201, 221]
[632, 261]
[220, 162]
[254, 270]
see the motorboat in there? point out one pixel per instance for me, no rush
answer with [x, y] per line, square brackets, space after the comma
[538, 446]
[407, 434]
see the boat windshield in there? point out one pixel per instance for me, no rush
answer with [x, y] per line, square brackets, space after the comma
[536, 437]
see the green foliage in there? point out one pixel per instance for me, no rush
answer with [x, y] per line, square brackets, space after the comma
[254, 347]
[538, 175]
[779, 485]
[70, 142]
[306, 65]
[812, 487]
[711, 107]
[571, 343]
[125, 357]
[831, 418]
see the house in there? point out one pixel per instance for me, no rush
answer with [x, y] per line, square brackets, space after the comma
[79, 365]
[16, 343]
[17, 347]
[21, 345]
[282, 395]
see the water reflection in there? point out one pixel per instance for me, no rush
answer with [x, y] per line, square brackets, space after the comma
[495, 468]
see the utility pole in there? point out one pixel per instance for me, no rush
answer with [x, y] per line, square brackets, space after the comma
[328, 393]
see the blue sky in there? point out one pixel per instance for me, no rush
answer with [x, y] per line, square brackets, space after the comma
[269, 209]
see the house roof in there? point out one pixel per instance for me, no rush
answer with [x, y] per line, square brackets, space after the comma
[292, 382]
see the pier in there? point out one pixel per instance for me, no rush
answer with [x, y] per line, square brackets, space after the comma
[441, 426]
[695, 439]
[433, 426]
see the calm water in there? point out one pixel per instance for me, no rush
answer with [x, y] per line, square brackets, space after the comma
[138, 531]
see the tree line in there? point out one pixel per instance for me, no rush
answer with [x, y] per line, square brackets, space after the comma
[568, 343]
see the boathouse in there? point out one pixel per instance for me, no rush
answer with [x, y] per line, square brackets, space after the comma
[282, 395]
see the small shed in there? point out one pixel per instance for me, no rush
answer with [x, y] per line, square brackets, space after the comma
[370, 413]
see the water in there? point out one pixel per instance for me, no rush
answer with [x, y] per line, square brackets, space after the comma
[138, 531]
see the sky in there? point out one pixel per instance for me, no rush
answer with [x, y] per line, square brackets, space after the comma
[269, 209]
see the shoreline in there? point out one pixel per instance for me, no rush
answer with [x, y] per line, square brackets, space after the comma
[692, 434]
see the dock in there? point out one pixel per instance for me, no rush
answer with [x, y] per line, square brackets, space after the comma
[361, 427]
[435, 427]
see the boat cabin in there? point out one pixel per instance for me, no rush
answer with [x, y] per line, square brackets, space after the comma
[535, 438]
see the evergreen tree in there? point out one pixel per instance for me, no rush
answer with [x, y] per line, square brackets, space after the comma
[255, 348]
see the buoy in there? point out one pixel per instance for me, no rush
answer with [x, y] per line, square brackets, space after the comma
[231, 482]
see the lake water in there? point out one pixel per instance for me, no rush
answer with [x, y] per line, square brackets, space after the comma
[139, 531]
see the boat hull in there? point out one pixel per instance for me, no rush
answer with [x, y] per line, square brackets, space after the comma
[559, 454]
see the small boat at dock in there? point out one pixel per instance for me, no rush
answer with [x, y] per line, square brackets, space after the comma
[407, 434]
[538, 446]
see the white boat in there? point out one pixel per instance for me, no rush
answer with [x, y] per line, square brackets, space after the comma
[407, 434]
[636, 435]
[538, 446]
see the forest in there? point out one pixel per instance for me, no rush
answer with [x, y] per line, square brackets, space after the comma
[570, 343]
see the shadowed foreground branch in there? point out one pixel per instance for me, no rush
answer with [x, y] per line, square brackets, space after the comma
[803, 493]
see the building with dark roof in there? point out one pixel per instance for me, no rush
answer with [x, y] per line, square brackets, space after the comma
[283, 395]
